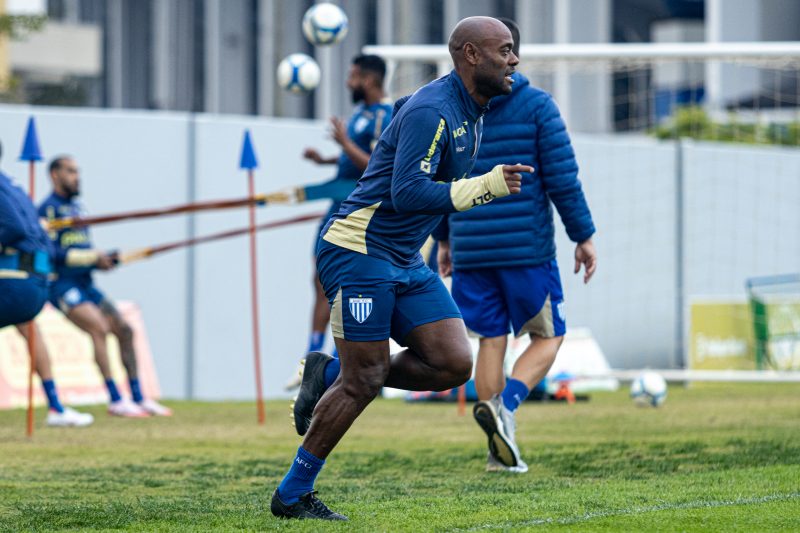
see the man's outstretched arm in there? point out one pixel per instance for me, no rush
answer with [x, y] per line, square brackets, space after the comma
[422, 141]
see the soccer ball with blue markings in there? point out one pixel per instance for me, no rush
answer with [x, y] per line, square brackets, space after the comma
[649, 388]
[298, 73]
[324, 24]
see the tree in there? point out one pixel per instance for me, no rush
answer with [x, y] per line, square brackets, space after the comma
[18, 26]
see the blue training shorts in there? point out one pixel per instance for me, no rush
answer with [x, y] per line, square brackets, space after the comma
[372, 299]
[21, 299]
[529, 299]
[67, 294]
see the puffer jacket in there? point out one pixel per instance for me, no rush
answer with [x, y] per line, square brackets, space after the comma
[518, 230]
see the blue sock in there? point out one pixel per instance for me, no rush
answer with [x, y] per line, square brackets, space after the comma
[515, 393]
[112, 390]
[301, 476]
[136, 390]
[315, 341]
[331, 372]
[52, 396]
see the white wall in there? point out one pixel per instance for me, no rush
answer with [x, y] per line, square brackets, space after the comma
[740, 219]
[133, 160]
[739, 212]
[630, 304]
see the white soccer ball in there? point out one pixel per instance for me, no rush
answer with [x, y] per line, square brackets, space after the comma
[649, 389]
[298, 73]
[324, 24]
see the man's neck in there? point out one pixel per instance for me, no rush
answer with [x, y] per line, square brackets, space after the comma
[469, 85]
[374, 97]
[62, 194]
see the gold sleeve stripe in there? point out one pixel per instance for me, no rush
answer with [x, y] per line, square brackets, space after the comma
[427, 248]
[351, 232]
[472, 192]
[81, 258]
[13, 274]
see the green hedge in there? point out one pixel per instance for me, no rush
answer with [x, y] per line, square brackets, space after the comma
[694, 122]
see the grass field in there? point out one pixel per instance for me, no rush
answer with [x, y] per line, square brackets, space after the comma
[715, 457]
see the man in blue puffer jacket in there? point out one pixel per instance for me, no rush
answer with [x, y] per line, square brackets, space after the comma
[502, 257]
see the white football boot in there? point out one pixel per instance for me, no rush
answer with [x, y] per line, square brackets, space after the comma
[69, 418]
[126, 409]
[154, 408]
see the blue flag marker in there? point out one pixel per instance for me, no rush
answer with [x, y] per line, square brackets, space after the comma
[248, 160]
[30, 149]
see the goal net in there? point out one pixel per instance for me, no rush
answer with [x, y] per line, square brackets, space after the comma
[689, 158]
[746, 92]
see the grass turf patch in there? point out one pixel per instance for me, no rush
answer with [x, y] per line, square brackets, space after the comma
[715, 457]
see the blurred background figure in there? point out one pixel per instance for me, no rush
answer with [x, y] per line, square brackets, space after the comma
[75, 294]
[357, 138]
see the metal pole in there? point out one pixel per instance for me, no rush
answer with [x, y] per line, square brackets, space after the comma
[254, 301]
[191, 233]
[680, 300]
[31, 327]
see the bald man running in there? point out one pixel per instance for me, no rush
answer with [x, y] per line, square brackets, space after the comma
[369, 263]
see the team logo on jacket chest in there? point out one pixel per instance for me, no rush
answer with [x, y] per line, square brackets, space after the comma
[461, 130]
[360, 308]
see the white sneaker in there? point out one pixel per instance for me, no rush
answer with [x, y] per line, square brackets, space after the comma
[126, 409]
[297, 377]
[69, 418]
[500, 427]
[493, 465]
[154, 408]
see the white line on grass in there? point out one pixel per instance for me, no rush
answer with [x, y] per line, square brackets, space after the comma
[638, 510]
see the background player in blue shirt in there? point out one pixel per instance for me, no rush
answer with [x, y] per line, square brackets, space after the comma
[357, 139]
[74, 293]
[512, 281]
[370, 266]
[24, 267]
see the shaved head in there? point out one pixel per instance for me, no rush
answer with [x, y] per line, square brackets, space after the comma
[482, 52]
[475, 30]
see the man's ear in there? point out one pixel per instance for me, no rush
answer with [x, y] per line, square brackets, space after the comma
[471, 53]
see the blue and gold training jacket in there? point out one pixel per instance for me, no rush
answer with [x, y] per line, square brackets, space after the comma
[67, 239]
[431, 143]
[19, 225]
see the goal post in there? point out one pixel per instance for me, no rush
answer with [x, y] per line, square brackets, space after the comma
[775, 306]
[743, 91]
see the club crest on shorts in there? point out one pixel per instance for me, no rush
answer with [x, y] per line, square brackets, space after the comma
[360, 308]
[72, 296]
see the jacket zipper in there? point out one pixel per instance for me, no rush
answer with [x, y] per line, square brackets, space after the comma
[475, 134]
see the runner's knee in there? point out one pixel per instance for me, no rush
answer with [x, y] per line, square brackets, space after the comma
[460, 367]
[366, 382]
